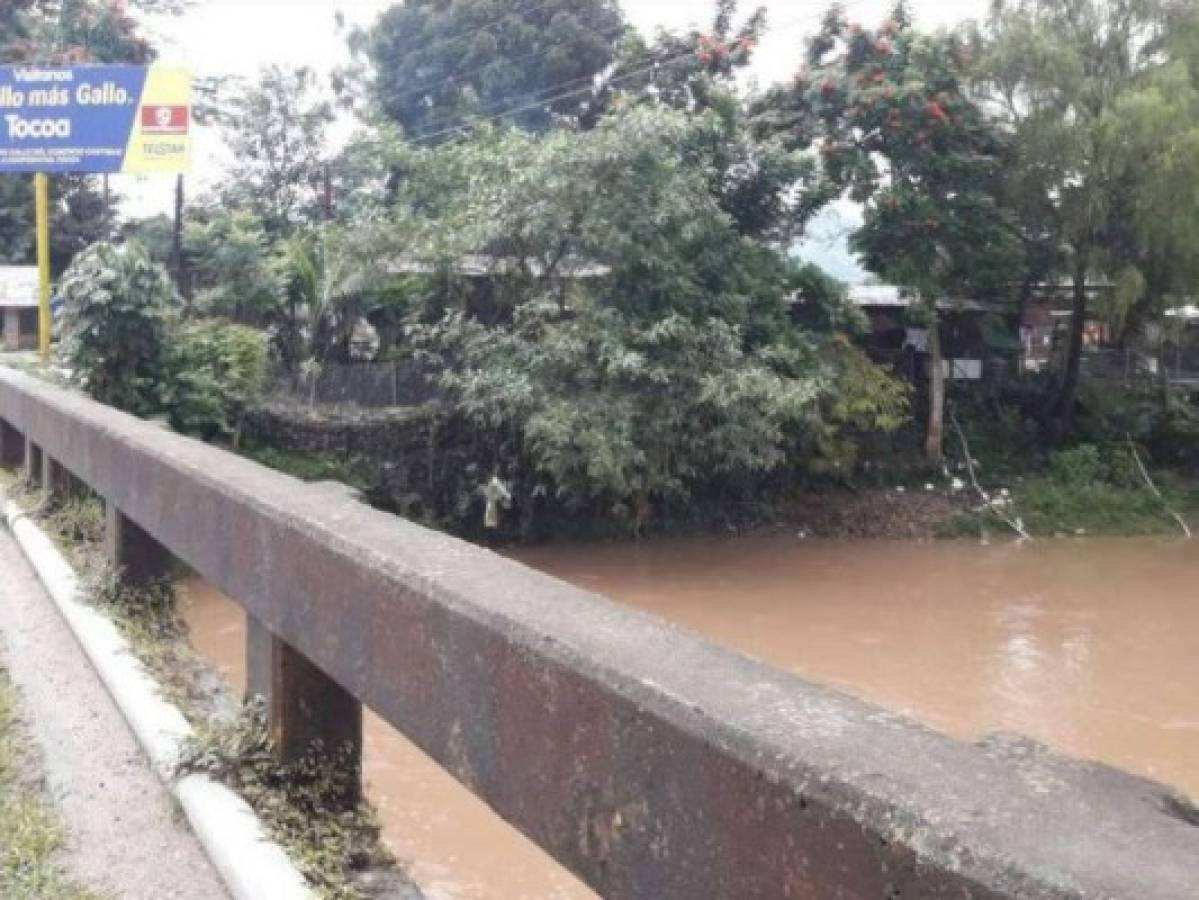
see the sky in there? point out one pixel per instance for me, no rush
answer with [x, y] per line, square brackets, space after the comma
[239, 37]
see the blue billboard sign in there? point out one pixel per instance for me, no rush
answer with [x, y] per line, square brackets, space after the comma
[94, 119]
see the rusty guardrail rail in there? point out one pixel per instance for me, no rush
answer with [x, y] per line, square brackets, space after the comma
[650, 762]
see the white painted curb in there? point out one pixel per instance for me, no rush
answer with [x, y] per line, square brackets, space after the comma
[252, 866]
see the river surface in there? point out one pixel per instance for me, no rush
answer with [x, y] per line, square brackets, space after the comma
[1091, 646]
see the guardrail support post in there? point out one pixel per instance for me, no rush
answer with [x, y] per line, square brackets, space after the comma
[305, 708]
[12, 445]
[33, 462]
[137, 556]
[57, 481]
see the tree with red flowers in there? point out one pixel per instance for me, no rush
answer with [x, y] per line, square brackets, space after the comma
[898, 134]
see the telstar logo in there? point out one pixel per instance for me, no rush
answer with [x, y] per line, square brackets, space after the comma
[164, 120]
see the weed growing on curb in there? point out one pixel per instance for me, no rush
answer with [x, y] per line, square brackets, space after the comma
[297, 801]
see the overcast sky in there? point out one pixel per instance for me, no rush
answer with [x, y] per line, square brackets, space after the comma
[241, 36]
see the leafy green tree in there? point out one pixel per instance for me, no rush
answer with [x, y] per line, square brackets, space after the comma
[230, 258]
[91, 31]
[324, 275]
[277, 129]
[1056, 71]
[1153, 129]
[213, 372]
[115, 301]
[16, 43]
[644, 353]
[898, 131]
[434, 64]
[692, 70]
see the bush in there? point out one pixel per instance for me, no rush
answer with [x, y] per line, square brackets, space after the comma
[1089, 466]
[214, 370]
[1078, 467]
[114, 305]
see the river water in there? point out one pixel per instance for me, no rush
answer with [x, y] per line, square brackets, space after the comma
[1091, 646]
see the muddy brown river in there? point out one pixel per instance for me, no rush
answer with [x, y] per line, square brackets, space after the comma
[1091, 646]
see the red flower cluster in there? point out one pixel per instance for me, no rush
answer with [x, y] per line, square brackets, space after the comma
[936, 112]
[711, 50]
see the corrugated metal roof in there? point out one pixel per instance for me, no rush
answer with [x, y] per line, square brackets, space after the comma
[481, 266]
[889, 295]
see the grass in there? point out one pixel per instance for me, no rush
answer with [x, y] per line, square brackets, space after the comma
[31, 837]
[1048, 507]
[298, 802]
[311, 467]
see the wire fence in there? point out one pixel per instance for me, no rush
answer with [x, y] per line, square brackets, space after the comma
[370, 385]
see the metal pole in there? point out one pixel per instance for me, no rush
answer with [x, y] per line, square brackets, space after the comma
[42, 189]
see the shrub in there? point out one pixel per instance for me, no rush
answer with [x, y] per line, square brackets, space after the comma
[214, 370]
[1081, 466]
[114, 301]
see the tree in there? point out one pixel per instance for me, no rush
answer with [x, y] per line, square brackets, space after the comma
[899, 133]
[323, 273]
[645, 354]
[230, 258]
[277, 130]
[434, 64]
[16, 43]
[1056, 72]
[693, 70]
[115, 301]
[1153, 129]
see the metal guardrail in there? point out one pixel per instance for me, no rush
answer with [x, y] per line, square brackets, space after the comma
[650, 762]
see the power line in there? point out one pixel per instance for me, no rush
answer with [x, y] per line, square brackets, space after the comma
[460, 77]
[538, 104]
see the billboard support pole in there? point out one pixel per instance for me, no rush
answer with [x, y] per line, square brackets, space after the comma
[41, 183]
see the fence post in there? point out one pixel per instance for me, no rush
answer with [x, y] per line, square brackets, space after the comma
[306, 710]
[130, 551]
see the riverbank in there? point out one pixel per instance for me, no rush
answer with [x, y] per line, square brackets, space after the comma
[392, 459]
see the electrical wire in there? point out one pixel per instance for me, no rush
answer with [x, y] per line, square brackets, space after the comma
[657, 65]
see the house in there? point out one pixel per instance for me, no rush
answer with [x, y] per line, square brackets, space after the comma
[974, 340]
[1045, 323]
[487, 279]
[18, 307]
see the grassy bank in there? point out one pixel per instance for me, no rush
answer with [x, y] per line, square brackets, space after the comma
[31, 837]
[1085, 490]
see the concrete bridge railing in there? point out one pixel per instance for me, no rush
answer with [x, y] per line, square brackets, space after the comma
[650, 762]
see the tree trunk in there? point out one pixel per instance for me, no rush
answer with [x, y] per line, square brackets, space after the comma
[1063, 409]
[934, 444]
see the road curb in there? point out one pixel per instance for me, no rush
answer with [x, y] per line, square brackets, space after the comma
[252, 866]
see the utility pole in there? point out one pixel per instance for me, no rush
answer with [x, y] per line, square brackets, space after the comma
[41, 183]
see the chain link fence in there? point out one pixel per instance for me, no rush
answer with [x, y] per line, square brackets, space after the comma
[369, 385]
